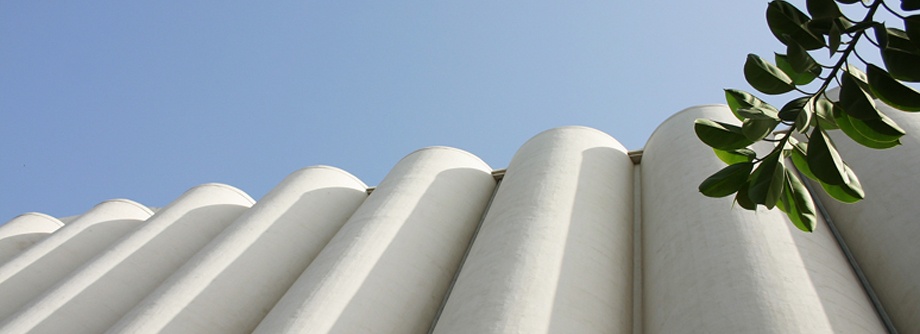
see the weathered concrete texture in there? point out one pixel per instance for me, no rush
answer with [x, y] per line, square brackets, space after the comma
[388, 268]
[712, 268]
[882, 230]
[231, 284]
[554, 253]
[96, 295]
[24, 231]
[44, 264]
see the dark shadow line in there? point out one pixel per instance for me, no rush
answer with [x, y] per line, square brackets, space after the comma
[864, 282]
[453, 281]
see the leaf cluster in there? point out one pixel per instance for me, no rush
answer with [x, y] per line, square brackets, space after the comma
[801, 124]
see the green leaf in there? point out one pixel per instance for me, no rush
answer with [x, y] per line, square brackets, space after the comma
[797, 203]
[912, 25]
[788, 24]
[850, 192]
[833, 39]
[742, 198]
[883, 129]
[732, 157]
[822, 9]
[824, 110]
[800, 60]
[859, 75]
[792, 108]
[845, 122]
[823, 159]
[848, 2]
[798, 110]
[910, 4]
[766, 183]
[898, 39]
[824, 25]
[759, 113]
[738, 99]
[891, 91]
[800, 159]
[798, 78]
[902, 64]
[881, 34]
[757, 129]
[726, 181]
[720, 135]
[859, 26]
[893, 38]
[854, 100]
[766, 77]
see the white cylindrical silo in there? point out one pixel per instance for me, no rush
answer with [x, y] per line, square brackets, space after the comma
[554, 253]
[23, 231]
[40, 267]
[387, 269]
[231, 284]
[882, 230]
[97, 294]
[712, 267]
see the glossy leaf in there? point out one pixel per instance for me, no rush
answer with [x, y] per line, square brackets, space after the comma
[845, 122]
[912, 27]
[732, 157]
[854, 100]
[850, 192]
[766, 182]
[742, 198]
[759, 113]
[833, 39]
[883, 129]
[798, 78]
[901, 64]
[804, 120]
[758, 129]
[800, 159]
[788, 24]
[859, 26]
[798, 110]
[800, 59]
[891, 91]
[726, 181]
[859, 75]
[899, 39]
[823, 160]
[893, 38]
[824, 25]
[822, 9]
[720, 135]
[792, 108]
[824, 111]
[797, 203]
[738, 99]
[766, 77]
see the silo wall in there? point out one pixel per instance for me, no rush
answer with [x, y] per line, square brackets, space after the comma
[710, 266]
[388, 268]
[554, 253]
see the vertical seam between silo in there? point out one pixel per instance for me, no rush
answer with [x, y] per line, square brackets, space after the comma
[450, 287]
[637, 251]
[864, 282]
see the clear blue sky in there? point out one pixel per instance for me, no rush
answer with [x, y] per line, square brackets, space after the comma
[123, 99]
